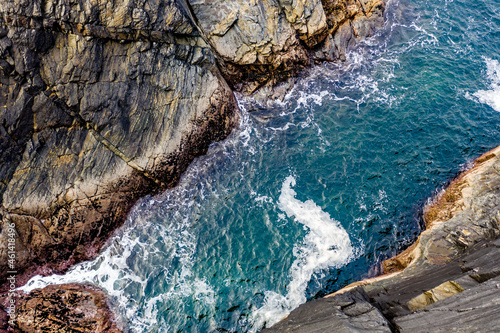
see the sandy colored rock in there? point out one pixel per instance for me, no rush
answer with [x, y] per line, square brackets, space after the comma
[473, 196]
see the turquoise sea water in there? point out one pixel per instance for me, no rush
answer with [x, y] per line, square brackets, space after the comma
[313, 193]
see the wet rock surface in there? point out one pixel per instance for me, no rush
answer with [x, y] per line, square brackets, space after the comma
[448, 281]
[64, 308]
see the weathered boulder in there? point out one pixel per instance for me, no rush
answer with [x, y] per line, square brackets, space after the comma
[348, 21]
[254, 40]
[63, 308]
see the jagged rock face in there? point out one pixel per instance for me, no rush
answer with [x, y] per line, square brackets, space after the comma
[64, 308]
[90, 124]
[265, 42]
[104, 102]
[253, 38]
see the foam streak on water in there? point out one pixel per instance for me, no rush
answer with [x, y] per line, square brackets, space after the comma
[491, 96]
[326, 245]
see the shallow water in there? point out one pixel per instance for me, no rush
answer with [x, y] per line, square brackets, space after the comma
[311, 194]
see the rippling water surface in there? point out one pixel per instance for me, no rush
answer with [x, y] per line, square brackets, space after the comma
[311, 194]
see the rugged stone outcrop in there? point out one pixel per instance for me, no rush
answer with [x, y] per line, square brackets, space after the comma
[104, 102]
[348, 21]
[64, 308]
[449, 280]
[97, 111]
[261, 43]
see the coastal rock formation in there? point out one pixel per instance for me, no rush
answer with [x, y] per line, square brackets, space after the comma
[97, 111]
[465, 213]
[349, 312]
[104, 102]
[260, 43]
[64, 308]
[449, 280]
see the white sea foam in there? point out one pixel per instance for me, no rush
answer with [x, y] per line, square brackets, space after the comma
[326, 245]
[491, 96]
[121, 267]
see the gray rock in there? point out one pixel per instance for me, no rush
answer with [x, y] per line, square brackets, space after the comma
[347, 312]
[474, 310]
[97, 115]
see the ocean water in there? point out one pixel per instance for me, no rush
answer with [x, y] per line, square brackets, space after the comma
[312, 193]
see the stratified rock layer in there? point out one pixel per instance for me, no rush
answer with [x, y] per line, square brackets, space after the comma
[448, 281]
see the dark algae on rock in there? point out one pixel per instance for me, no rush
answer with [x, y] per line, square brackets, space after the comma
[104, 102]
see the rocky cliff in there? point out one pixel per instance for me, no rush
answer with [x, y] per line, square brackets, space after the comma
[101, 105]
[103, 102]
[448, 281]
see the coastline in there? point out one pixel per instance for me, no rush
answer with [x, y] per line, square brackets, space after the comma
[448, 266]
[109, 108]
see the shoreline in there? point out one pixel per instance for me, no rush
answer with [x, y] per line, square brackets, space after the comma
[108, 109]
[446, 266]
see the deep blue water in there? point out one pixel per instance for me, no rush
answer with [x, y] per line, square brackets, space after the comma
[313, 193]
